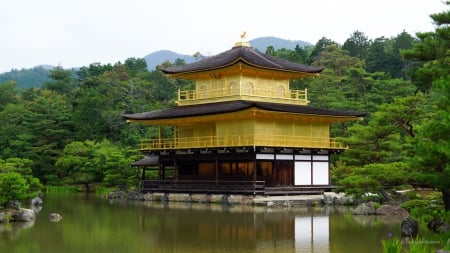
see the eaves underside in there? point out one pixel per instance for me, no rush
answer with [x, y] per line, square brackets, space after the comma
[252, 113]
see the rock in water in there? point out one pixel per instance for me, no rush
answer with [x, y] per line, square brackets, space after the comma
[55, 217]
[392, 210]
[409, 228]
[365, 209]
[24, 215]
[36, 201]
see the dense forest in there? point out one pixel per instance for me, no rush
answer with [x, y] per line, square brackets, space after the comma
[27, 78]
[71, 131]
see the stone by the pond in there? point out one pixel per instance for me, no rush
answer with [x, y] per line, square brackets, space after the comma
[409, 228]
[36, 201]
[55, 217]
[270, 204]
[14, 204]
[23, 215]
[392, 210]
[365, 209]
[3, 218]
[438, 226]
[332, 198]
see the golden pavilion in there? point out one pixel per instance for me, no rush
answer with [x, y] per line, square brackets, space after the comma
[242, 129]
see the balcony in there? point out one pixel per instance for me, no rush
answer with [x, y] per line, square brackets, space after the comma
[281, 141]
[188, 97]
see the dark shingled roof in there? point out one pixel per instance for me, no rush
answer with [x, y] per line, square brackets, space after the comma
[151, 160]
[245, 54]
[234, 106]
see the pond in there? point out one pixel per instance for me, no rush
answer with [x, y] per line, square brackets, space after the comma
[93, 224]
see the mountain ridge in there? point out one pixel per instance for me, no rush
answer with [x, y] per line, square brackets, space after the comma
[36, 76]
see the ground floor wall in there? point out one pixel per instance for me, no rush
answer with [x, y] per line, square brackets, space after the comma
[308, 168]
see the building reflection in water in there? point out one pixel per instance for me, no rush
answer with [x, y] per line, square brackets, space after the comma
[312, 234]
[238, 229]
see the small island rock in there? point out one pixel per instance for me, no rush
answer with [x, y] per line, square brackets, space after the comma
[36, 201]
[55, 217]
[365, 209]
[24, 215]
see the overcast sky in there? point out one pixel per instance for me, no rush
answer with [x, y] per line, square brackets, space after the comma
[75, 33]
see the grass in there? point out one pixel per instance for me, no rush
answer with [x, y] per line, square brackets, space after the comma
[102, 190]
[61, 189]
[417, 246]
[392, 245]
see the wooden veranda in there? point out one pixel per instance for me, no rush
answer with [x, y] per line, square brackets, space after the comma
[227, 187]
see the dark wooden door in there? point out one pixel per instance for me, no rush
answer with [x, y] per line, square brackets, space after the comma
[284, 173]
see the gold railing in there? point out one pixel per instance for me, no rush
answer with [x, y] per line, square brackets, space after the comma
[241, 141]
[186, 97]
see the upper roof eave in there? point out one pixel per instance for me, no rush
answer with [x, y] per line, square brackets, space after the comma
[245, 54]
[291, 74]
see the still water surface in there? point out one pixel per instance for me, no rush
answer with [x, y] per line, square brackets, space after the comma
[93, 224]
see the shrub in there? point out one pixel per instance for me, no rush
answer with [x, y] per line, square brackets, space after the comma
[13, 187]
[425, 210]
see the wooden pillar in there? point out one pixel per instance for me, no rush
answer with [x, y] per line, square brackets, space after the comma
[254, 173]
[175, 168]
[254, 167]
[137, 183]
[163, 171]
[217, 169]
[312, 168]
[275, 170]
[159, 170]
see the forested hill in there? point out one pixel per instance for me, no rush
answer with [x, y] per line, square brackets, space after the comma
[261, 44]
[31, 78]
[27, 78]
[156, 58]
[37, 76]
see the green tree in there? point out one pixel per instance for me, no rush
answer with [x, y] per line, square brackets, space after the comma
[48, 128]
[17, 181]
[62, 81]
[287, 54]
[303, 53]
[115, 162]
[384, 55]
[380, 149]
[135, 66]
[316, 51]
[432, 148]
[97, 162]
[15, 137]
[270, 50]
[373, 178]
[93, 70]
[13, 187]
[22, 166]
[77, 164]
[357, 45]
[104, 96]
[8, 94]
[338, 60]
[387, 135]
